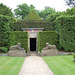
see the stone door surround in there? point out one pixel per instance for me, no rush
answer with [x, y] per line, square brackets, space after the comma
[32, 33]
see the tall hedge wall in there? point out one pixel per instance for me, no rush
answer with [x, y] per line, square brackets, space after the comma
[32, 24]
[16, 37]
[44, 37]
[66, 29]
[4, 28]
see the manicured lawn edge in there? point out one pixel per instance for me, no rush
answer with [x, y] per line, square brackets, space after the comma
[61, 65]
[10, 65]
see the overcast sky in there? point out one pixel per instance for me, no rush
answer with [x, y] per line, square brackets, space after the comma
[59, 5]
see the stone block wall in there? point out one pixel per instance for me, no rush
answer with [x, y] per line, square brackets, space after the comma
[16, 53]
[49, 52]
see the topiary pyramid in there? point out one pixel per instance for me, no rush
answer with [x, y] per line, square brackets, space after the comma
[33, 16]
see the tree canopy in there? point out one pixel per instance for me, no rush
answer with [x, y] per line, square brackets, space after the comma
[70, 3]
[4, 10]
[70, 11]
[23, 10]
[44, 13]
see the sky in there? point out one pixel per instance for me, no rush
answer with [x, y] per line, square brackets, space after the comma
[58, 5]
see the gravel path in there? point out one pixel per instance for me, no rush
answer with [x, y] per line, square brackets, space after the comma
[35, 65]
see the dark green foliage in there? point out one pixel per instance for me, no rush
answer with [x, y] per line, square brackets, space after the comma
[70, 11]
[66, 29]
[4, 28]
[33, 16]
[32, 24]
[19, 37]
[44, 37]
[4, 10]
[3, 49]
[4, 23]
[74, 57]
[52, 18]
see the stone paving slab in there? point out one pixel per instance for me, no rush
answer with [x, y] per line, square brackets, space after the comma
[35, 65]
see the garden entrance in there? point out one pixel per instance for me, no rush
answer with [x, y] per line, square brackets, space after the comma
[32, 44]
[32, 39]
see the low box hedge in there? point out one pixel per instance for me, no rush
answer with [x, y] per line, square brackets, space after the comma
[74, 57]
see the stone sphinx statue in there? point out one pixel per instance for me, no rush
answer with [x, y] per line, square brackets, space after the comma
[48, 46]
[49, 50]
[16, 47]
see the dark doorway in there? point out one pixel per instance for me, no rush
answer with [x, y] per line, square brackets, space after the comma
[32, 44]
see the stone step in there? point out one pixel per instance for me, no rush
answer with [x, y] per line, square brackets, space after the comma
[33, 53]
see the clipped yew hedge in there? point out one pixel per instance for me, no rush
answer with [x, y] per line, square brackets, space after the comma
[4, 28]
[33, 16]
[16, 37]
[66, 30]
[44, 37]
[32, 24]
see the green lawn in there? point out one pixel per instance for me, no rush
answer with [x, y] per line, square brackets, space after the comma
[61, 65]
[10, 65]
